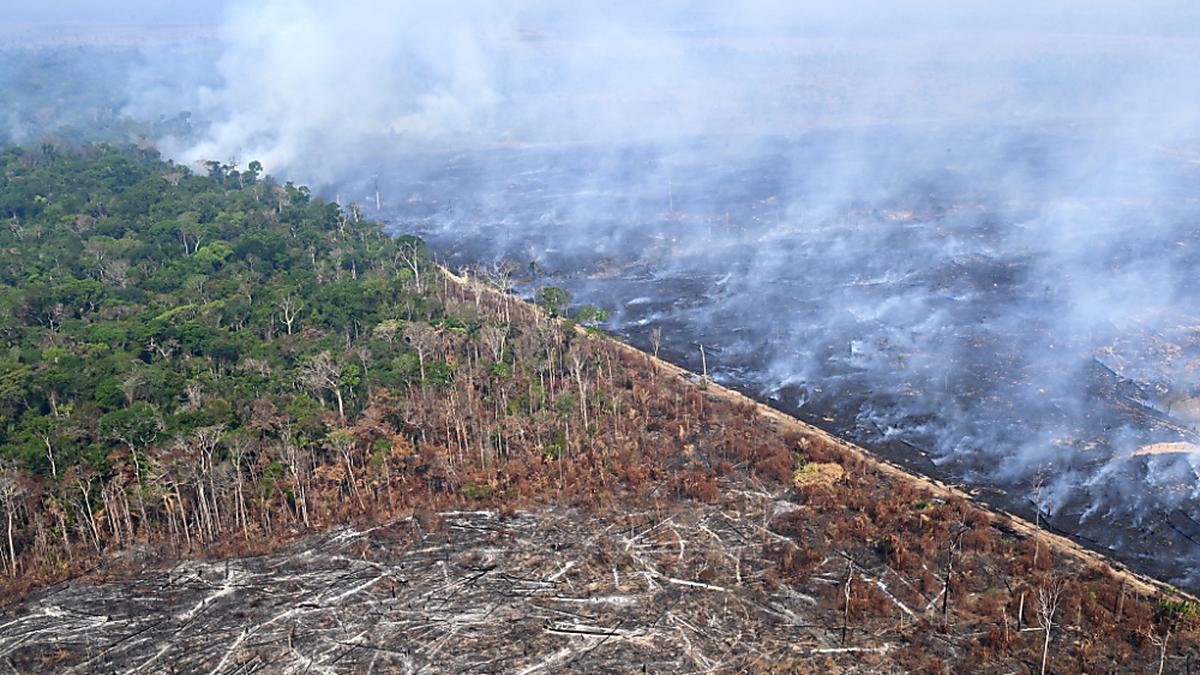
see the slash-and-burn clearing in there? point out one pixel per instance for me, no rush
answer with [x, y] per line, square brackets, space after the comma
[751, 542]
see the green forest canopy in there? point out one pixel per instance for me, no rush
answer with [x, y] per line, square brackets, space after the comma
[140, 301]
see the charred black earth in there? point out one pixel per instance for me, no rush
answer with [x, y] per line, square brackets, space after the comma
[1009, 311]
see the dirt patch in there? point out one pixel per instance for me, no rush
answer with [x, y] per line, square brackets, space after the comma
[1166, 449]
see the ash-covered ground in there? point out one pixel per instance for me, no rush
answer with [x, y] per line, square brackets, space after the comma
[1037, 341]
[666, 591]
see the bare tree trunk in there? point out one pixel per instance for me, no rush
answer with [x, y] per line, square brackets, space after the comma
[303, 501]
[12, 551]
[66, 537]
[137, 469]
[846, 592]
[1048, 600]
[1037, 523]
[187, 534]
[1161, 643]
[50, 454]
[87, 503]
[212, 491]
[1046, 649]
[240, 512]
[578, 368]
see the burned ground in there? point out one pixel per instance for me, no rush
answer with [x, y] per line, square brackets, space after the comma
[718, 565]
[969, 333]
[678, 590]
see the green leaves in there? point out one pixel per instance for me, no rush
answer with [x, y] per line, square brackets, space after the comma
[212, 255]
[591, 315]
[554, 300]
[140, 301]
[136, 426]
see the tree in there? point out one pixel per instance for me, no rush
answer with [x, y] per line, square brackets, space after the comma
[214, 255]
[554, 300]
[11, 492]
[494, 339]
[46, 429]
[499, 276]
[240, 445]
[424, 339]
[387, 330]
[343, 443]
[323, 373]
[410, 253]
[1048, 598]
[289, 310]
[1171, 616]
[291, 449]
[136, 427]
[591, 315]
[206, 441]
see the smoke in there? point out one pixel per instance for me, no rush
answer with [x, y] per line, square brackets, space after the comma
[304, 88]
[963, 233]
[86, 71]
[942, 199]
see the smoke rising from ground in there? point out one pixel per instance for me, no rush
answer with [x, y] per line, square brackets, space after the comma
[952, 230]
[968, 230]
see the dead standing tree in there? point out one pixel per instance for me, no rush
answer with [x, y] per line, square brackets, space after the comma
[424, 339]
[241, 447]
[323, 373]
[953, 541]
[11, 492]
[206, 441]
[289, 311]
[846, 589]
[410, 256]
[290, 450]
[500, 276]
[494, 339]
[1048, 599]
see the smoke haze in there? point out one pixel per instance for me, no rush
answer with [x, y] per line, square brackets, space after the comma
[963, 234]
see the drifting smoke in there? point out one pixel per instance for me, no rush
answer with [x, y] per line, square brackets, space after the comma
[946, 229]
[81, 71]
[964, 234]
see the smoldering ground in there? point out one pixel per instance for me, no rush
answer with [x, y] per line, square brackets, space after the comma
[961, 233]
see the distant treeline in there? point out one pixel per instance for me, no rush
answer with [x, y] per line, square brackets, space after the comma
[90, 93]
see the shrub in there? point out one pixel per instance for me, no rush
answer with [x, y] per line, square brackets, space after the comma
[817, 475]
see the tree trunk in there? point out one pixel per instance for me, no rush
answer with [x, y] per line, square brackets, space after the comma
[137, 468]
[337, 391]
[12, 551]
[1162, 654]
[87, 502]
[1046, 648]
[50, 454]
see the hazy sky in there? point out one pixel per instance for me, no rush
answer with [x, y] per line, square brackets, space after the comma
[1147, 16]
[110, 12]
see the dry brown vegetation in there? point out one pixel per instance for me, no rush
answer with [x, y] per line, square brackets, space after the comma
[883, 571]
